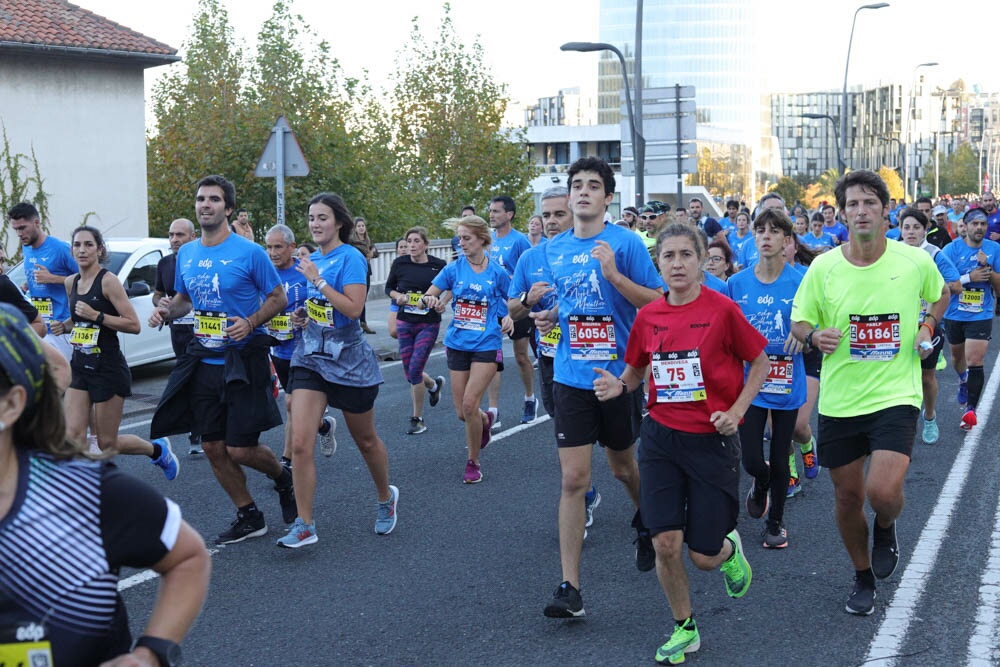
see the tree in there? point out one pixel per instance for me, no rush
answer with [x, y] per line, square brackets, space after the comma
[20, 180]
[959, 171]
[446, 111]
[789, 190]
[892, 181]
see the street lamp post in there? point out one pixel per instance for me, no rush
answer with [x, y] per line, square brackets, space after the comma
[833, 121]
[907, 129]
[843, 96]
[638, 142]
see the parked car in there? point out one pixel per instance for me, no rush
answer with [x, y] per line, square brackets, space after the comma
[134, 262]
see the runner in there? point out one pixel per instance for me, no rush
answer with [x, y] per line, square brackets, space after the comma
[602, 275]
[873, 342]
[690, 445]
[234, 289]
[506, 249]
[47, 262]
[68, 525]
[417, 327]
[478, 286]
[764, 293]
[181, 231]
[818, 240]
[280, 245]
[913, 226]
[402, 248]
[969, 320]
[101, 378]
[720, 261]
[334, 365]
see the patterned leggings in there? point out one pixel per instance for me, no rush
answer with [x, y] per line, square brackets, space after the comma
[415, 343]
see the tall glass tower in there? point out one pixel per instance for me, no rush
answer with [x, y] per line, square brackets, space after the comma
[700, 43]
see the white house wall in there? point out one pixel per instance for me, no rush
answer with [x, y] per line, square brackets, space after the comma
[85, 122]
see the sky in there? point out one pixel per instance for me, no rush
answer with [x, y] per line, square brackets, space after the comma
[801, 44]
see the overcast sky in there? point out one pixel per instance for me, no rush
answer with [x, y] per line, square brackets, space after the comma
[801, 45]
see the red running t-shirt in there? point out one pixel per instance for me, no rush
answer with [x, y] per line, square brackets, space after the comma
[696, 352]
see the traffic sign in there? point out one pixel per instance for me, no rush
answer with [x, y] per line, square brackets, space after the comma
[293, 161]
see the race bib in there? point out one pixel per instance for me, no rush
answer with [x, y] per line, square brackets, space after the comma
[548, 343]
[677, 377]
[25, 645]
[592, 337]
[210, 328]
[280, 327]
[83, 338]
[413, 305]
[874, 337]
[320, 311]
[779, 375]
[470, 314]
[43, 305]
[971, 300]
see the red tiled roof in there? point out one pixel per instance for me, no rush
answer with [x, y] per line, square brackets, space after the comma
[61, 24]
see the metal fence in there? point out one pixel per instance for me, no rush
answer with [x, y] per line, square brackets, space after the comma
[387, 253]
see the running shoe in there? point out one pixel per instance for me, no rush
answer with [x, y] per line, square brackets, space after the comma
[167, 461]
[299, 534]
[793, 469]
[685, 639]
[488, 424]
[809, 462]
[736, 571]
[775, 536]
[885, 549]
[593, 499]
[645, 554]
[473, 474]
[566, 603]
[758, 500]
[328, 440]
[530, 410]
[286, 463]
[963, 388]
[496, 420]
[931, 430]
[861, 601]
[968, 420]
[194, 446]
[417, 426]
[286, 497]
[385, 519]
[435, 394]
[246, 525]
[794, 486]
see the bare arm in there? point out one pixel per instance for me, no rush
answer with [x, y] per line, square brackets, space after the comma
[126, 321]
[275, 302]
[727, 423]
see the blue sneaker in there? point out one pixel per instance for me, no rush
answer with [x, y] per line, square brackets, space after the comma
[963, 388]
[931, 430]
[593, 500]
[385, 520]
[530, 410]
[167, 461]
[794, 486]
[299, 534]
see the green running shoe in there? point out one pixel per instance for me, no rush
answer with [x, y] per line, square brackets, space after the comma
[736, 571]
[685, 639]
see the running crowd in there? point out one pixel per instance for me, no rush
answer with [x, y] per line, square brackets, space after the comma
[680, 385]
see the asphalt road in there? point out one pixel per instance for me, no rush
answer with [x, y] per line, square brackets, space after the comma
[466, 573]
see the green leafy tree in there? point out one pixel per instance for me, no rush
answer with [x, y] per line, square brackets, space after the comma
[789, 190]
[201, 119]
[20, 180]
[446, 111]
[959, 171]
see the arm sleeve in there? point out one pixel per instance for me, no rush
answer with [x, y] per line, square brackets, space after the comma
[158, 285]
[443, 281]
[947, 268]
[519, 283]
[179, 286]
[635, 349]
[355, 269]
[747, 342]
[68, 262]
[933, 283]
[138, 525]
[641, 269]
[263, 268]
[806, 307]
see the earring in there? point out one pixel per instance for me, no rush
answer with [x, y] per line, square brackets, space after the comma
[3, 427]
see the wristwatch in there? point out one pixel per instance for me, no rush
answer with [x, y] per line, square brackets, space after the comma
[166, 651]
[809, 338]
[524, 299]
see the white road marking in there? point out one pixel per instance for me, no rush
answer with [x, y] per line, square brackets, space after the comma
[887, 642]
[146, 575]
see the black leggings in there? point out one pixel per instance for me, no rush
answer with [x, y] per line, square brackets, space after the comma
[752, 441]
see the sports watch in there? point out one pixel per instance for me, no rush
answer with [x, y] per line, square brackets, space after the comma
[166, 651]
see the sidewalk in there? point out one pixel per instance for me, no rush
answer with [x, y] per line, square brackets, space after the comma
[385, 346]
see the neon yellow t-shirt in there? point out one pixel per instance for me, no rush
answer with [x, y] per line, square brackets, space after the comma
[877, 310]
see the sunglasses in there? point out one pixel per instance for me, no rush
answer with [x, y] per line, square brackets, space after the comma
[648, 217]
